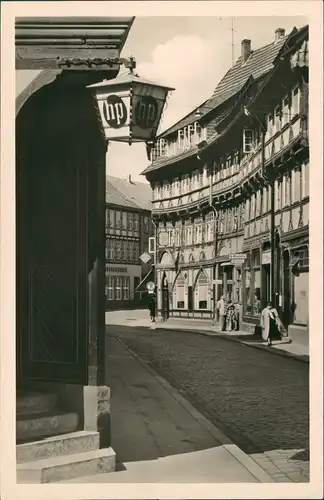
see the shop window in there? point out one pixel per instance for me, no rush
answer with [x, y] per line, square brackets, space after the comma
[126, 287]
[301, 257]
[110, 288]
[118, 288]
[180, 292]
[247, 292]
[202, 291]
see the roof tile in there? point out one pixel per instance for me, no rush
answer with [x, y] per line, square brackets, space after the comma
[130, 194]
[259, 63]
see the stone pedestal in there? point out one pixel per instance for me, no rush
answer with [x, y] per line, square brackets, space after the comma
[96, 404]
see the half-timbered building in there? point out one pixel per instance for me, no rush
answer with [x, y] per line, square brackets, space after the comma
[230, 186]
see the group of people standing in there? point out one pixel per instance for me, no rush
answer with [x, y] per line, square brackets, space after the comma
[228, 315]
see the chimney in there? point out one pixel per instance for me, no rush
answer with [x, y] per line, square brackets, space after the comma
[279, 33]
[246, 50]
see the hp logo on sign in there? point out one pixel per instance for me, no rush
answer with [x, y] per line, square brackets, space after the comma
[114, 111]
[146, 112]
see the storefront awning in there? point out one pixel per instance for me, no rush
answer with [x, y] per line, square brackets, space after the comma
[228, 263]
[300, 58]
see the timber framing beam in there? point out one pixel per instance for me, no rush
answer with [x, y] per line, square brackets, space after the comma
[70, 43]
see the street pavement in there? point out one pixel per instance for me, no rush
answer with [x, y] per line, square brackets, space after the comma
[259, 400]
[159, 437]
[139, 317]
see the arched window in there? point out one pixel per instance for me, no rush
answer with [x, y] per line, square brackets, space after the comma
[170, 204]
[161, 204]
[179, 201]
[201, 290]
[181, 259]
[191, 258]
[190, 199]
[179, 292]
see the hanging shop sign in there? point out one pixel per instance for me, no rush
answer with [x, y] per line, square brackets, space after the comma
[130, 107]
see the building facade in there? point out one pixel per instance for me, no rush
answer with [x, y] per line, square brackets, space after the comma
[230, 188]
[128, 228]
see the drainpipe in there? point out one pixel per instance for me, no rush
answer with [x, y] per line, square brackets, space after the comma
[271, 178]
[215, 245]
[272, 241]
[154, 261]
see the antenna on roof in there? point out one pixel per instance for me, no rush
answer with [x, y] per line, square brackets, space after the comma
[233, 54]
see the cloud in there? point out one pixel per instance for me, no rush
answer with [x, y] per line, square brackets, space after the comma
[191, 65]
[186, 63]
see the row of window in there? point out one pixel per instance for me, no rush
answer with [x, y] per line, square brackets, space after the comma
[283, 113]
[287, 109]
[291, 188]
[188, 137]
[127, 221]
[122, 250]
[118, 288]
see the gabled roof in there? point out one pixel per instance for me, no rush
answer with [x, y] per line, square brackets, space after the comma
[258, 64]
[128, 193]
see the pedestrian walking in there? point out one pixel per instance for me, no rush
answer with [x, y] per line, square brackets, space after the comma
[270, 323]
[152, 307]
[230, 316]
[221, 308]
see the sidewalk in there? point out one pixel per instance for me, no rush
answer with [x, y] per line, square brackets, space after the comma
[159, 437]
[139, 318]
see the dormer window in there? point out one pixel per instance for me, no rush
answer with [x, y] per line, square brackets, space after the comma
[180, 140]
[161, 147]
[248, 145]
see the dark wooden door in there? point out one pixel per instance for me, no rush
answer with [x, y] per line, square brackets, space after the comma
[190, 299]
[53, 244]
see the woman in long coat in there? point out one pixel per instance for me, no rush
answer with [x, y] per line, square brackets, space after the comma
[270, 323]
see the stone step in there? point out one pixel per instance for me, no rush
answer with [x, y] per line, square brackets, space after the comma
[65, 444]
[67, 467]
[35, 403]
[40, 426]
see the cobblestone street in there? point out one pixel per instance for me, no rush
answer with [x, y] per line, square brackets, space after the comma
[259, 400]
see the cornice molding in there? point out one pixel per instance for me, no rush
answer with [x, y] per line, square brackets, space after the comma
[73, 43]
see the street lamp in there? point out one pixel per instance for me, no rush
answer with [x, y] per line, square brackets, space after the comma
[130, 107]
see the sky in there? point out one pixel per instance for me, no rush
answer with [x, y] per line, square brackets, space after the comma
[191, 54]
